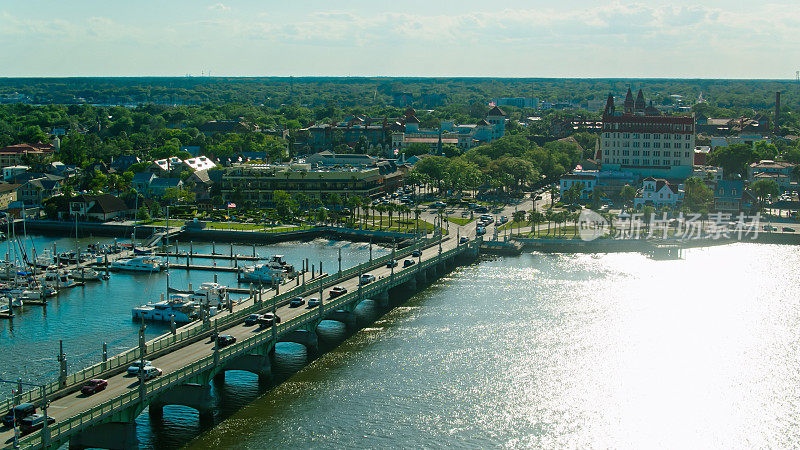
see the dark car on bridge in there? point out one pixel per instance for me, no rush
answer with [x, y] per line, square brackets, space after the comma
[17, 413]
[416, 253]
[224, 340]
[94, 386]
[251, 320]
[337, 291]
[313, 302]
[34, 422]
[463, 240]
[275, 318]
[297, 302]
[409, 262]
[265, 322]
[391, 264]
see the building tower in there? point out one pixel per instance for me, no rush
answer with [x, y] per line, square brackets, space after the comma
[497, 118]
[639, 105]
[629, 103]
[609, 111]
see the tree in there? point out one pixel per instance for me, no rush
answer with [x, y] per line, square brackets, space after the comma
[416, 149]
[518, 217]
[733, 159]
[627, 194]
[535, 218]
[283, 204]
[697, 196]
[765, 189]
[433, 167]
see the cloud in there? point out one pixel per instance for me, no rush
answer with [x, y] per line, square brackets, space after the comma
[219, 7]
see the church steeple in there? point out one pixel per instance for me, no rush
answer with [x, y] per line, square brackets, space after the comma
[629, 103]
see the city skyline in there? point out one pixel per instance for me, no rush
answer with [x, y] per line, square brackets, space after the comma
[446, 39]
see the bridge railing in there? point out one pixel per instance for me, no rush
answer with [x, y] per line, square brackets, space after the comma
[168, 340]
[60, 431]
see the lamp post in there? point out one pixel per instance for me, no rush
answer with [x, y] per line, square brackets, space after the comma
[45, 427]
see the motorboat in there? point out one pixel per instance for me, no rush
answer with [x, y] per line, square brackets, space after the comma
[215, 293]
[139, 264]
[44, 259]
[180, 307]
[275, 270]
[59, 280]
[15, 302]
[87, 274]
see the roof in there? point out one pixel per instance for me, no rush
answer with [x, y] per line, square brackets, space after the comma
[496, 111]
[44, 184]
[143, 177]
[767, 164]
[725, 188]
[6, 187]
[103, 203]
[484, 123]
[28, 148]
[165, 182]
[199, 163]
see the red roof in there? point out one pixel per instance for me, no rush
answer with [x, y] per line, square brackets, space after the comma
[28, 148]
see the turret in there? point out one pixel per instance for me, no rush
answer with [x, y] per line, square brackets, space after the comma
[639, 105]
[609, 111]
[629, 103]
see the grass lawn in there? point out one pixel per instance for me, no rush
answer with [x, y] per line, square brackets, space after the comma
[461, 221]
[230, 226]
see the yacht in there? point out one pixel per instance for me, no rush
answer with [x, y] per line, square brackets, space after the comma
[179, 306]
[44, 259]
[138, 264]
[276, 269]
[15, 302]
[87, 274]
[215, 293]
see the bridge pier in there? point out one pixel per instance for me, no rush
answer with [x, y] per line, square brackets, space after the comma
[192, 395]
[382, 299]
[346, 317]
[411, 284]
[304, 337]
[422, 277]
[113, 436]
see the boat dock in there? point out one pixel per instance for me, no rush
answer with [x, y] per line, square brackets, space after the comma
[208, 256]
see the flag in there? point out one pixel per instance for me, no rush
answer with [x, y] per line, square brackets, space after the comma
[231, 205]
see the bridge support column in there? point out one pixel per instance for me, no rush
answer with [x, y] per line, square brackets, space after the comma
[196, 396]
[113, 436]
[411, 284]
[422, 277]
[346, 317]
[307, 338]
[382, 299]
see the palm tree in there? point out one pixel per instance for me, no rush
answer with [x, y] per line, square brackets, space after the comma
[518, 217]
[548, 216]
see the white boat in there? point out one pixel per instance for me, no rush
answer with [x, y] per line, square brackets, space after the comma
[215, 293]
[138, 264]
[44, 259]
[87, 274]
[25, 294]
[15, 302]
[179, 306]
[276, 269]
[59, 280]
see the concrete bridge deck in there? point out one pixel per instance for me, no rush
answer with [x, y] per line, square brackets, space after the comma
[191, 354]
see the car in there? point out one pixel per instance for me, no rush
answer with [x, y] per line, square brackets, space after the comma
[788, 229]
[94, 386]
[151, 372]
[17, 413]
[313, 302]
[766, 228]
[297, 302]
[224, 340]
[480, 231]
[251, 320]
[391, 264]
[538, 197]
[438, 205]
[34, 422]
[136, 367]
[774, 229]
[465, 214]
[481, 209]
[275, 318]
[408, 262]
[366, 278]
[503, 219]
[337, 291]
[264, 321]
[416, 253]
[463, 240]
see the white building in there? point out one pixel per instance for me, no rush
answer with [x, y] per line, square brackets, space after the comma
[587, 178]
[749, 139]
[658, 193]
[199, 163]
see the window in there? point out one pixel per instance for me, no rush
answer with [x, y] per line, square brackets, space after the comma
[636, 144]
[626, 136]
[606, 152]
[688, 136]
[646, 144]
[636, 135]
[656, 153]
[676, 163]
[626, 144]
[656, 144]
[624, 160]
[625, 153]
[646, 153]
[647, 136]
[666, 145]
[635, 162]
[685, 145]
[677, 136]
[686, 155]
[636, 153]
[656, 136]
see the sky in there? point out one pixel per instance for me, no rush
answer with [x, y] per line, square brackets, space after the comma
[483, 38]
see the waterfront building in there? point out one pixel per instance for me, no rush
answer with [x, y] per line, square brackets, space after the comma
[728, 196]
[658, 193]
[778, 171]
[747, 139]
[256, 183]
[708, 174]
[587, 178]
[642, 141]
[101, 207]
[37, 190]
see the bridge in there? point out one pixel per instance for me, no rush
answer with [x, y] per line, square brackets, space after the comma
[190, 358]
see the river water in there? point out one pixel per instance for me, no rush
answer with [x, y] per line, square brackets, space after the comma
[540, 350]
[555, 351]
